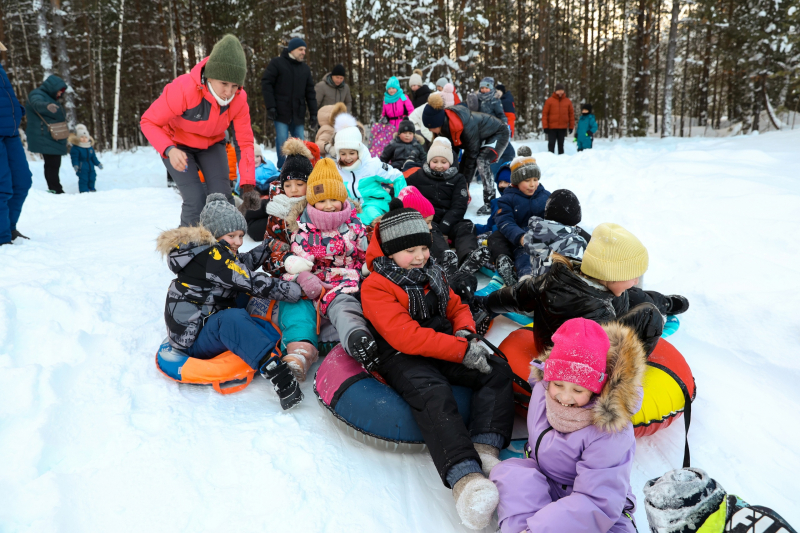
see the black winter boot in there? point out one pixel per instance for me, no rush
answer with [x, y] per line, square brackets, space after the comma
[475, 260]
[449, 263]
[363, 348]
[485, 209]
[677, 304]
[283, 381]
[505, 267]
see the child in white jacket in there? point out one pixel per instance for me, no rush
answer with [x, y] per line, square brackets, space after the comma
[354, 161]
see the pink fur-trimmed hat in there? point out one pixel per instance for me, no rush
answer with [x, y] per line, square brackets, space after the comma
[411, 197]
[580, 347]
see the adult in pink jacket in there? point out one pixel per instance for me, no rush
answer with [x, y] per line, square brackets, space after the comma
[187, 124]
[396, 105]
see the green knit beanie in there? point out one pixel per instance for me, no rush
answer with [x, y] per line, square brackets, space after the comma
[227, 61]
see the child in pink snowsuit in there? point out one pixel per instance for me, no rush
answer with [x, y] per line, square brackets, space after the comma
[396, 105]
[580, 436]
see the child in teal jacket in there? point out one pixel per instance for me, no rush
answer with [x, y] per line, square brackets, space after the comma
[587, 126]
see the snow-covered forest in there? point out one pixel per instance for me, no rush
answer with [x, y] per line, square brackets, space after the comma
[724, 65]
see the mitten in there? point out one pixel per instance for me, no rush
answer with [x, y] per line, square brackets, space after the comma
[251, 200]
[312, 286]
[52, 108]
[76, 167]
[464, 284]
[296, 264]
[488, 153]
[312, 122]
[476, 358]
[276, 245]
[272, 114]
[463, 333]
[100, 166]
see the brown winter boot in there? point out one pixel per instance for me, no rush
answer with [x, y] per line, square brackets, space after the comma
[476, 499]
[489, 455]
[300, 356]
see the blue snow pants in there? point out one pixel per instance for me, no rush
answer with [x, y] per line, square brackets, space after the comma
[233, 329]
[15, 181]
[86, 179]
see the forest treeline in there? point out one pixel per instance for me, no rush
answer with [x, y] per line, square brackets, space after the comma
[713, 63]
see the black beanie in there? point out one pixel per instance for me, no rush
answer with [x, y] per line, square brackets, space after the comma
[563, 207]
[338, 70]
[402, 229]
[500, 87]
[406, 126]
[560, 87]
[587, 107]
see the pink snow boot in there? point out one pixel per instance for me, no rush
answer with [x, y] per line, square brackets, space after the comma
[300, 356]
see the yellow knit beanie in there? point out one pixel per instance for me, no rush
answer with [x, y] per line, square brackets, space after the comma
[614, 254]
[325, 183]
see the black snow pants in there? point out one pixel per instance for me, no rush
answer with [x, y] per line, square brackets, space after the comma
[425, 383]
[552, 137]
[462, 233]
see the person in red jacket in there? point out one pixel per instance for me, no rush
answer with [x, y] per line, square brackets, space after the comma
[422, 329]
[186, 125]
[558, 116]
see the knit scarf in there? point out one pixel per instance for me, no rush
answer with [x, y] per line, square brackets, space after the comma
[446, 175]
[85, 145]
[398, 95]
[486, 97]
[566, 419]
[281, 204]
[325, 221]
[413, 281]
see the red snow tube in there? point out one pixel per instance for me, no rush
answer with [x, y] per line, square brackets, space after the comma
[520, 347]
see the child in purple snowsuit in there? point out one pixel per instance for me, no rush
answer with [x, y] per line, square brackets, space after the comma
[580, 436]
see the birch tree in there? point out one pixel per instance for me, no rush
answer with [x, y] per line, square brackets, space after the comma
[115, 127]
[669, 70]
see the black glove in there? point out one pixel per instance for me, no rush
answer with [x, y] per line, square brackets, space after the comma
[464, 284]
[363, 348]
[272, 114]
[313, 123]
[546, 131]
[570, 131]
[488, 154]
[590, 134]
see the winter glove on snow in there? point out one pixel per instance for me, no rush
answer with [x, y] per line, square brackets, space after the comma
[296, 264]
[363, 348]
[312, 286]
[53, 108]
[272, 114]
[476, 358]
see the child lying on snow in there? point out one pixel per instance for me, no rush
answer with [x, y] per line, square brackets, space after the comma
[420, 327]
[199, 313]
[601, 287]
[328, 249]
[577, 477]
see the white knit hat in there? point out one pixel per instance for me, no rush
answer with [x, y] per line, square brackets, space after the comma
[348, 136]
[257, 151]
[441, 147]
[81, 130]
[416, 78]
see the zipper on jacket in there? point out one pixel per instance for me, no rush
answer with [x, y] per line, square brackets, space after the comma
[355, 194]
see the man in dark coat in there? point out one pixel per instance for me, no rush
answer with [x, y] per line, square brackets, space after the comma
[482, 138]
[15, 176]
[42, 108]
[287, 88]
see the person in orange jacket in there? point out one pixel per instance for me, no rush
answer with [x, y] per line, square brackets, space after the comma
[558, 116]
[232, 162]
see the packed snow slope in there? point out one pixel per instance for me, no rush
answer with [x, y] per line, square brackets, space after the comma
[94, 438]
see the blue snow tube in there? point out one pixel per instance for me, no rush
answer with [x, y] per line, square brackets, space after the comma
[371, 411]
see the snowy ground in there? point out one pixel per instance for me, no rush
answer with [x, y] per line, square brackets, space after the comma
[94, 438]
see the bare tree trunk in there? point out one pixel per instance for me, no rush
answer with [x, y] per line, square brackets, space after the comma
[623, 126]
[87, 28]
[104, 137]
[178, 38]
[656, 101]
[45, 58]
[115, 127]
[669, 70]
[173, 44]
[585, 58]
[63, 63]
[685, 78]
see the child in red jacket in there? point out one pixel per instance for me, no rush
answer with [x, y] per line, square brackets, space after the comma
[421, 328]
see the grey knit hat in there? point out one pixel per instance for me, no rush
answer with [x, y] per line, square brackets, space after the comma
[441, 82]
[487, 82]
[524, 151]
[524, 168]
[402, 229]
[220, 217]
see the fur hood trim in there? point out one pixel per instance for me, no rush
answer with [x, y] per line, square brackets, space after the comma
[299, 207]
[73, 139]
[337, 109]
[294, 146]
[172, 238]
[626, 362]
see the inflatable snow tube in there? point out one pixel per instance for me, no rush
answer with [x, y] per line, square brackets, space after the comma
[227, 373]
[668, 387]
[368, 410]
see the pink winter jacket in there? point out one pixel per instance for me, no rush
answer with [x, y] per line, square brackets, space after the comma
[187, 113]
[396, 111]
